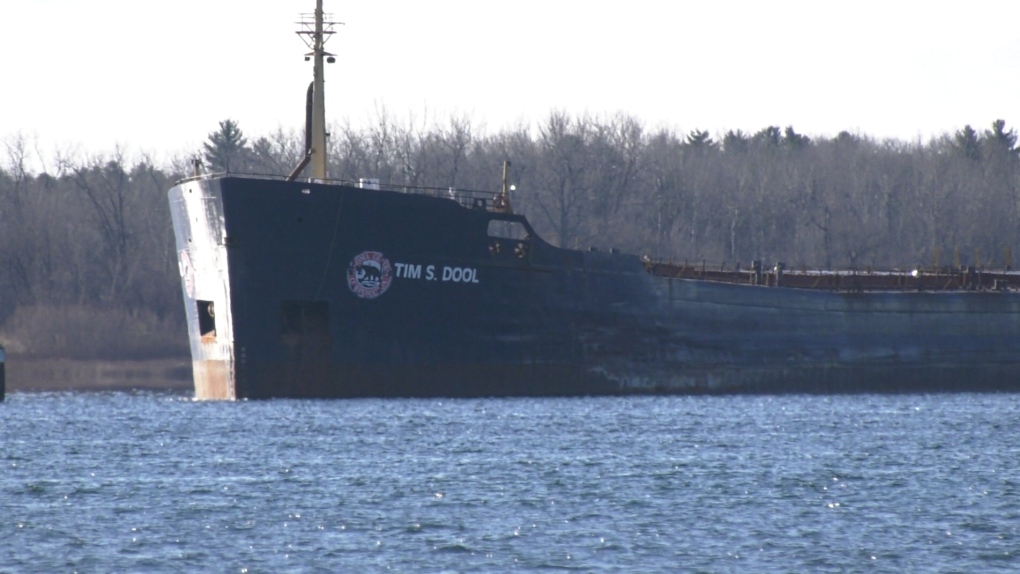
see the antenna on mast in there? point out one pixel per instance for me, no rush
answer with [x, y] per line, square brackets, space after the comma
[315, 31]
[501, 203]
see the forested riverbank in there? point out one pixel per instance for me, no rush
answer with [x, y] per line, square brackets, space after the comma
[88, 270]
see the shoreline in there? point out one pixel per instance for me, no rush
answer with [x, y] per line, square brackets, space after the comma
[46, 375]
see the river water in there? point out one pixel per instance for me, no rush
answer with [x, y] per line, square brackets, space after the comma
[148, 482]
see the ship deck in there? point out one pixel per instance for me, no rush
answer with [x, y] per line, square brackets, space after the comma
[849, 280]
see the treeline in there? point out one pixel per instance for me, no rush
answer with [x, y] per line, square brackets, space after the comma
[89, 269]
[87, 261]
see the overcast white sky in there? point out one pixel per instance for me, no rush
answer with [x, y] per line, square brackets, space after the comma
[157, 76]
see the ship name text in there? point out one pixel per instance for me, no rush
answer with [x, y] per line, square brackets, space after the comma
[432, 273]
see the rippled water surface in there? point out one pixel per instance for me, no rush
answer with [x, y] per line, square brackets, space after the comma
[158, 483]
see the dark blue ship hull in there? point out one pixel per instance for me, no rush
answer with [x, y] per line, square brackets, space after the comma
[298, 289]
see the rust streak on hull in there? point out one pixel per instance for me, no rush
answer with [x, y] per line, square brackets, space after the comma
[213, 380]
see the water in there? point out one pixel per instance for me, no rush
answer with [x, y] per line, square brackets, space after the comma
[125, 482]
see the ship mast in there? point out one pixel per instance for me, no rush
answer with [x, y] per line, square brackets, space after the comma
[315, 30]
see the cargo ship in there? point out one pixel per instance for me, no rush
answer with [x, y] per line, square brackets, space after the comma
[300, 287]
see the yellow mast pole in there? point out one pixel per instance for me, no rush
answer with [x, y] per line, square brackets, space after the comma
[318, 151]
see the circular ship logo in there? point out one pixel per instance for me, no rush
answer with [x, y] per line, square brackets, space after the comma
[369, 275]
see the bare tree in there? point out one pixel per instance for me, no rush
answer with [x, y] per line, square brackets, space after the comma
[563, 199]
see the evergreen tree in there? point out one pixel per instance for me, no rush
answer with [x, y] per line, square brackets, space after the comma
[794, 140]
[967, 143]
[226, 148]
[770, 137]
[1000, 139]
[735, 141]
[846, 139]
[700, 140]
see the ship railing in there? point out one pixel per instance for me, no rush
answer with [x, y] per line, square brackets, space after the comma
[469, 198]
[963, 278]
